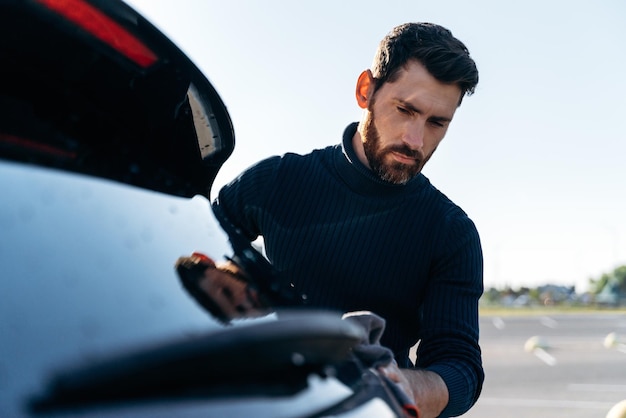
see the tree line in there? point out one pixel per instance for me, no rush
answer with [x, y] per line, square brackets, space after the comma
[607, 289]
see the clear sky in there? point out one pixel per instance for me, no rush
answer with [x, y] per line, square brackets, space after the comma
[535, 157]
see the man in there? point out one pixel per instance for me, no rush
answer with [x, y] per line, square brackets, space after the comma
[357, 226]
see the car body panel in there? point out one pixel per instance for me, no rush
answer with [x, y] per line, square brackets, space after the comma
[87, 266]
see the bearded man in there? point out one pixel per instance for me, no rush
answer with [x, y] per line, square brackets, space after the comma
[357, 226]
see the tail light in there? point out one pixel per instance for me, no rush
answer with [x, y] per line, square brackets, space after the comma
[99, 25]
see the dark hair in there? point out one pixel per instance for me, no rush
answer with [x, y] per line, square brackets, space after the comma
[444, 56]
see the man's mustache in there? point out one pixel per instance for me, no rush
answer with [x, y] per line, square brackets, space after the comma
[406, 151]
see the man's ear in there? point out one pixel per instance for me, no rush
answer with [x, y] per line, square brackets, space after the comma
[364, 88]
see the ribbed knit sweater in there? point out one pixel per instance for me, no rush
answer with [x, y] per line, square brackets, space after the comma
[351, 241]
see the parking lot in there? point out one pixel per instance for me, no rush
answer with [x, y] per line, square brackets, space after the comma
[552, 365]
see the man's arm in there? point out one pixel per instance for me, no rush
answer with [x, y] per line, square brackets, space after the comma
[450, 328]
[426, 388]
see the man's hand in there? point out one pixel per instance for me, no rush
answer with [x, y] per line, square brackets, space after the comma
[427, 389]
[225, 284]
[222, 289]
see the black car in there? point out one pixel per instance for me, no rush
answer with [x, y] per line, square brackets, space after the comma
[110, 139]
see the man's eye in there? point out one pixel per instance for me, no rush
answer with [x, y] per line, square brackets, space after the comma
[403, 110]
[437, 123]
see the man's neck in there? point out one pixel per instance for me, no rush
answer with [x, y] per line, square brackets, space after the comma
[357, 145]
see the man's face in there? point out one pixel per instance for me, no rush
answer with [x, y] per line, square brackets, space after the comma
[405, 121]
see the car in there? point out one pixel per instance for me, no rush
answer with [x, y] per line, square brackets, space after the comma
[110, 140]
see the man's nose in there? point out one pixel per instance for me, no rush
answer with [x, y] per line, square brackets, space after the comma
[414, 135]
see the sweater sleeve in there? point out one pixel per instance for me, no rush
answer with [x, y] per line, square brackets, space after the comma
[449, 343]
[245, 195]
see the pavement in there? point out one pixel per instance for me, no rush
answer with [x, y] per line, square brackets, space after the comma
[563, 365]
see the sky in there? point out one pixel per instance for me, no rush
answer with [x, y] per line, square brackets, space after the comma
[535, 156]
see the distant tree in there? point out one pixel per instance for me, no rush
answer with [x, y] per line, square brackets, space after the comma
[616, 278]
[620, 276]
[534, 294]
[492, 295]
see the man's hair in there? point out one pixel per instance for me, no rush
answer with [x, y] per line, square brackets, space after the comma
[445, 57]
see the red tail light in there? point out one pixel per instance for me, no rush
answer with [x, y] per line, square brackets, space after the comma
[34, 147]
[104, 28]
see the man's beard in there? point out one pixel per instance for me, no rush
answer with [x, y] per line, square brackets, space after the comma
[395, 172]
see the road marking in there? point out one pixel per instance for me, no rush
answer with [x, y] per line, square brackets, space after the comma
[548, 322]
[544, 356]
[498, 322]
[545, 403]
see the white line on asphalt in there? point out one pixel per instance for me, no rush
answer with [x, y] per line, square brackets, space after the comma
[544, 356]
[545, 403]
[548, 322]
[498, 322]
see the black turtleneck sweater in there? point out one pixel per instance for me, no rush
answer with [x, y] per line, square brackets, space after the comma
[351, 241]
